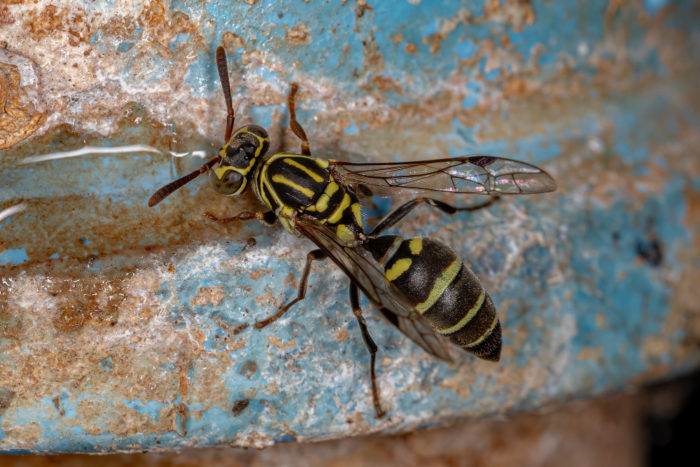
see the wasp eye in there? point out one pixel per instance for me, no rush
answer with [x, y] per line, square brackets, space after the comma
[226, 180]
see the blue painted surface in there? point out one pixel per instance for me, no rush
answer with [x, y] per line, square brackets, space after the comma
[588, 281]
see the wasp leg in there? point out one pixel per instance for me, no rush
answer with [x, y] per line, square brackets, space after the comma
[371, 346]
[267, 217]
[296, 127]
[226, 87]
[311, 257]
[399, 213]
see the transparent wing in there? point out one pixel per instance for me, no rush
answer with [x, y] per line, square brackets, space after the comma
[361, 268]
[487, 175]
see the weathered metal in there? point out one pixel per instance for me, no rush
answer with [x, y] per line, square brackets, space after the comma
[124, 328]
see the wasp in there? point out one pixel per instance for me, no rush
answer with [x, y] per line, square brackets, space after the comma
[419, 284]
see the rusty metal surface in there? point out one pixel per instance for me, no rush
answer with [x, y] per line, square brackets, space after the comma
[125, 328]
[606, 432]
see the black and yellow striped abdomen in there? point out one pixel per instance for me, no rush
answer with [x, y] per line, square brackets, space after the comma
[443, 290]
[291, 183]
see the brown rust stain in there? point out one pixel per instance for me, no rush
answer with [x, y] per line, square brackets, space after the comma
[48, 226]
[362, 7]
[280, 344]
[341, 334]
[73, 21]
[258, 273]
[270, 298]
[516, 13]
[80, 300]
[57, 403]
[236, 344]
[209, 296]
[299, 34]
[396, 39]
[590, 353]
[248, 369]
[232, 41]
[5, 15]
[18, 116]
[53, 358]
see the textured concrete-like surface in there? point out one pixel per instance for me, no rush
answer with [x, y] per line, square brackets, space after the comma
[129, 328]
[603, 432]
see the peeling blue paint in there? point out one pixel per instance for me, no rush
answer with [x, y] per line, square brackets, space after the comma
[13, 256]
[150, 408]
[474, 89]
[351, 130]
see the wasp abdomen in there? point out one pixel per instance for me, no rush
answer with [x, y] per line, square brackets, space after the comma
[443, 290]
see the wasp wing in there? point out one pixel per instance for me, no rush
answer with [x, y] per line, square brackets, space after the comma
[486, 175]
[362, 270]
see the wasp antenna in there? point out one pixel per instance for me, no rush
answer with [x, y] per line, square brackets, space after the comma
[165, 191]
[226, 87]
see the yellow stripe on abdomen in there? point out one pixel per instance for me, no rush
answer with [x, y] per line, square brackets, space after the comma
[468, 317]
[415, 245]
[441, 283]
[485, 334]
[398, 268]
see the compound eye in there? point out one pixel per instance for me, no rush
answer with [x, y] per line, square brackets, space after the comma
[226, 180]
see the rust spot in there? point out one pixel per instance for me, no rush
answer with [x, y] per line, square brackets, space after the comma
[277, 342]
[82, 300]
[231, 41]
[248, 369]
[516, 13]
[5, 16]
[47, 22]
[236, 344]
[341, 335]
[57, 403]
[70, 318]
[298, 34]
[410, 48]
[18, 117]
[362, 7]
[208, 295]
[434, 41]
[590, 353]
[258, 273]
[289, 280]
[516, 88]
[6, 397]
[385, 84]
[396, 38]
[240, 406]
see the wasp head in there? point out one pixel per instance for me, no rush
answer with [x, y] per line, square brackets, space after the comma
[239, 157]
